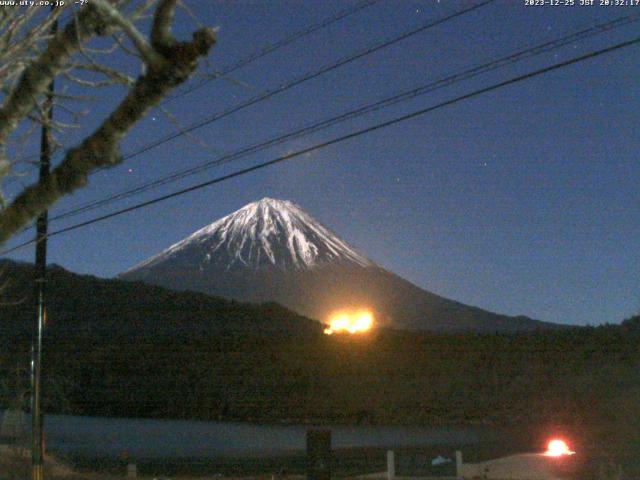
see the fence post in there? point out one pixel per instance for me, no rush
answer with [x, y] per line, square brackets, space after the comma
[391, 465]
[458, 464]
[319, 454]
[132, 470]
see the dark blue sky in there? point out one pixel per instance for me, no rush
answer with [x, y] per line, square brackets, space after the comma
[521, 201]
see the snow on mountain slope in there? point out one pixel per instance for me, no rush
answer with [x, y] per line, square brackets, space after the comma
[273, 251]
[264, 234]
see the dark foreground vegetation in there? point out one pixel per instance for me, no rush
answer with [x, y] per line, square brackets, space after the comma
[227, 361]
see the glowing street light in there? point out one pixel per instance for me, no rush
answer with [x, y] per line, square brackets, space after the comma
[558, 448]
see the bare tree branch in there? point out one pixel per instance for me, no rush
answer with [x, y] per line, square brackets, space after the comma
[161, 37]
[172, 63]
[37, 76]
[114, 16]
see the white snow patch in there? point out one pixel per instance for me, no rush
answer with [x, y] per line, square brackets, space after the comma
[277, 231]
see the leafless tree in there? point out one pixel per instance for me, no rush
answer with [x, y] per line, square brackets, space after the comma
[83, 52]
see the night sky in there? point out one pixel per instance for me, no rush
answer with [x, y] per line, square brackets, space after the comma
[521, 201]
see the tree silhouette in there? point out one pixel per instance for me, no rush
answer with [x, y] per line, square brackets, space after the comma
[31, 57]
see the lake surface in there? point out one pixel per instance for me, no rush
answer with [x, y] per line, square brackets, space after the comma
[176, 438]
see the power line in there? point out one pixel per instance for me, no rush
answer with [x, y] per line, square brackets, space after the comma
[407, 95]
[270, 93]
[276, 46]
[284, 87]
[270, 48]
[305, 78]
[342, 138]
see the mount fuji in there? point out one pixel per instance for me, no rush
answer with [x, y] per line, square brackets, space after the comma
[273, 251]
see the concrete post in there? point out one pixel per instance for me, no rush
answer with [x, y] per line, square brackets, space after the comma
[458, 464]
[391, 465]
[318, 454]
[132, 470]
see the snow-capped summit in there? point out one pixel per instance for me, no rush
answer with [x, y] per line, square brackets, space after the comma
[268, 233]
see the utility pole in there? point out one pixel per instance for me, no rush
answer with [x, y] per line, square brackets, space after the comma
[37, 432]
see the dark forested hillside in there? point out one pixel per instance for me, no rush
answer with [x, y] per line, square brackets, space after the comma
[83, 305]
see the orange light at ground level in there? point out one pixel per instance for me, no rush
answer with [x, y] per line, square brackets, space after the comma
[352, 322]
[558, 448]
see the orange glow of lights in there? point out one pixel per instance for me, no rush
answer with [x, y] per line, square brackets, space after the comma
[356, 322]
[558, 448]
